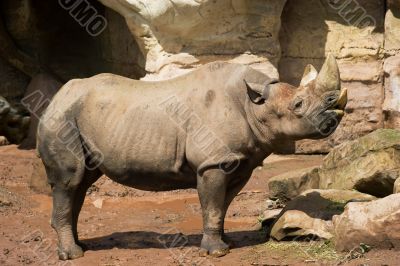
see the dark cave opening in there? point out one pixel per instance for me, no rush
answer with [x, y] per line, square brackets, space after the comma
[54, 37]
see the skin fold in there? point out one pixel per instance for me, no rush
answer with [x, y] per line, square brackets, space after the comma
[207, 129]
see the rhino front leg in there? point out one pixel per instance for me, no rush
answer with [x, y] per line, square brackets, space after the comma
[211, 187]
[233, 189]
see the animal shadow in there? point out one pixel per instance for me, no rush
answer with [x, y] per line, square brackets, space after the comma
[170, 239]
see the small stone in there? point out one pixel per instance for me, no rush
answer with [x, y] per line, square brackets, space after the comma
[274, 204]
[98, 203]
[3, 141]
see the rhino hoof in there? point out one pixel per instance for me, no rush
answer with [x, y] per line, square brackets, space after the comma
[69, 254]
[213, 247]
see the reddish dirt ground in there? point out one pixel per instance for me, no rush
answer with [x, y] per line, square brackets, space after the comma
[124, 226]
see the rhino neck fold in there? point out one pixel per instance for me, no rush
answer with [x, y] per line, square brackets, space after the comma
[262, 133]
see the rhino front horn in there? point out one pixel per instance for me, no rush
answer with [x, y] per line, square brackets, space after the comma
[328, 78]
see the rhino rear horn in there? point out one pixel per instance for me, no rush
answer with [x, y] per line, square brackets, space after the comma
[328, 78]
[310, 74]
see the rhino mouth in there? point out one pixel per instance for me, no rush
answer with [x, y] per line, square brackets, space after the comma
[331, 116]
[340, 105]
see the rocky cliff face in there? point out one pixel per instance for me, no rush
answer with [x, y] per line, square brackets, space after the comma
[161, 39]
[176, 36]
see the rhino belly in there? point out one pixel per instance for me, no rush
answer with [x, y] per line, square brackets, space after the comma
[152, 167]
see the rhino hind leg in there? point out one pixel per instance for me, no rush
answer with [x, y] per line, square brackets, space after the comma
[66, 173]
[211, 188]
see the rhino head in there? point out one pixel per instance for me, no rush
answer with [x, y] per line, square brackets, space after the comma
[312, 110]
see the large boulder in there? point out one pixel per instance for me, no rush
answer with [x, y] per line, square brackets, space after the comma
[310, 214]
[369, 164]
[373, 223]
[291, 184]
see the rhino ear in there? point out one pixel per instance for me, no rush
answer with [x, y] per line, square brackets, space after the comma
[310, 74]
[255, 92]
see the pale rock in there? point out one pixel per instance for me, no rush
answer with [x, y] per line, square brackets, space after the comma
[392, 25]
[310, 214]
[174, 36]
[340, 196]
[296, 224]
[374, 223]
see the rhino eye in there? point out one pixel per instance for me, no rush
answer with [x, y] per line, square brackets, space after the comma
[298, 104]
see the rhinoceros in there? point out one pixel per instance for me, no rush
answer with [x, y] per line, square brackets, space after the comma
[207, 129]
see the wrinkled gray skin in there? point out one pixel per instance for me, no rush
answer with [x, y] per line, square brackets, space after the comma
[147, 144]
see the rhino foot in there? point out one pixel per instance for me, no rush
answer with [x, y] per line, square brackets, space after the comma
[71, 253]
[213, 246]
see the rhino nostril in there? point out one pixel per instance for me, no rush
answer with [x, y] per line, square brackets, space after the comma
[331, 101]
